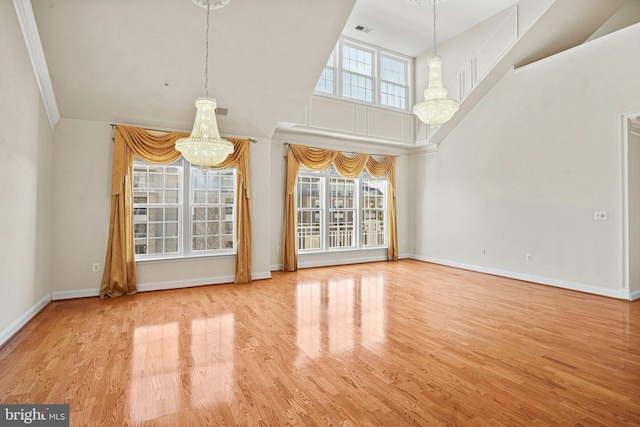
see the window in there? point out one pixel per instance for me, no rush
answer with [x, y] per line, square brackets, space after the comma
[326, 83]
[393, 82]
[336, 213]
[364, 73]
[173, 219]
[357, 73]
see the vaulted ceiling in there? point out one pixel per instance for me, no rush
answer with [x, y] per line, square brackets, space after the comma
[142, 62]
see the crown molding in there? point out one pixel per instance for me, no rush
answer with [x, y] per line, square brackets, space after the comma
[27, 21]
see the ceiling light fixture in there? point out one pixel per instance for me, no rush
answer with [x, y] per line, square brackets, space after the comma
[436, 108]
[204, 147]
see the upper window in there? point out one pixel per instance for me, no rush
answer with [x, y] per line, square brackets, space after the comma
[179, 211]
[334, 212]
[367, 74]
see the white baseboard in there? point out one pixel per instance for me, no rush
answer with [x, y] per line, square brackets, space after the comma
[344, 261]
[276, 267]
[203, 281]
[20, 322]
[613, 293]
[159, 286]
[261, 276]
[634, 295]
[76, 293]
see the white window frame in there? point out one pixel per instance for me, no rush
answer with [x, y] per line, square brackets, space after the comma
[326, 209]
[186, 208]
[378, 53]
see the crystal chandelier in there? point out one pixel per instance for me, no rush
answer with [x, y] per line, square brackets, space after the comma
[436, 108]
[204, 147]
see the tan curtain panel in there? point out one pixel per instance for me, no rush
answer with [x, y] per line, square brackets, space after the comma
[319, 159]
[119, 276]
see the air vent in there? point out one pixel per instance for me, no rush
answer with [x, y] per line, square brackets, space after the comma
[364, 29]
[221, 111]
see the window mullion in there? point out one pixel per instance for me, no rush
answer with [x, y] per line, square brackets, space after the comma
[186, 211]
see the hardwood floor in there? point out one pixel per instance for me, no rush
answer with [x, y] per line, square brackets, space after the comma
[381, 344]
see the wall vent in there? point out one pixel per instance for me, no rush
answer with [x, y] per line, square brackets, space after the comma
[364, 29]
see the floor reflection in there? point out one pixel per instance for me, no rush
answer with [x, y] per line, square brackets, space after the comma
[181, 364]
[334, 316]
[155, 382]
[212, 341]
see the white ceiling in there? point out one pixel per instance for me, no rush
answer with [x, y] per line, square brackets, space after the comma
[142, 62]
[407, 28]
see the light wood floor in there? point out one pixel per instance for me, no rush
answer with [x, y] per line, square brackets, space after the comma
[390, 344]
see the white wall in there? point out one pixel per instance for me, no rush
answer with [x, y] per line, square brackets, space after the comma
[524, 172]
[26, 146]
[82, 185]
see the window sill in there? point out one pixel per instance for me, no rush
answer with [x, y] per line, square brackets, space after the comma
[185, 258]
[406, 111]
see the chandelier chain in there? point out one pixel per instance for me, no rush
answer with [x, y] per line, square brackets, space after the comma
[206, 62]
[435, 52]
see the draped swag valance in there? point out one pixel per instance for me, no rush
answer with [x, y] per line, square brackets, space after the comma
[119, 275]
[350, 167]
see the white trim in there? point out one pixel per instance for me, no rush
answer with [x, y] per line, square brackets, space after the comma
[157, 286]
[179, 284]
[624, 160]
[276, 267]
[340, 261]
[634, 295]
[20, 322]
[203, 281]
[261, 276]
[612, 293]
[75, 293]
[31, 36]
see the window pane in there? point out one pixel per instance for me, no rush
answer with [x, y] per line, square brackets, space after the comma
[373, 211]
[156, 207]
[357, 87]
[214, 210]
[342, 231]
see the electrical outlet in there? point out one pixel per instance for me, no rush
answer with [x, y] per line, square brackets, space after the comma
[601, 215]
[279, 249]
[95, 266]
[529, 258]
[484, 252]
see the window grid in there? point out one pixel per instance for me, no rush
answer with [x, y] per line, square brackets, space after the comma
[374, 204]
[309, 203]
[213, 218]
[161, 193]
[156, 208]
[393, 82]
[335, 213]
[367, 74]
[342, 212]
[326, 83]
[357, 75]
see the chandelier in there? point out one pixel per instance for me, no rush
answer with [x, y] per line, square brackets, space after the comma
[436, 108]
[204, 147]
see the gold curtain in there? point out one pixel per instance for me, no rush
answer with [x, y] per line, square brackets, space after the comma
[119, 276]
[319, 159]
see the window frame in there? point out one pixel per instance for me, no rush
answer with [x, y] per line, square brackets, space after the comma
[326, 210]
[378, 53]
[186, 211]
